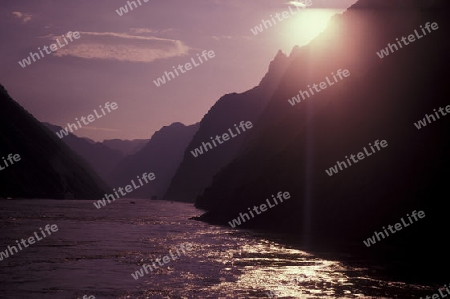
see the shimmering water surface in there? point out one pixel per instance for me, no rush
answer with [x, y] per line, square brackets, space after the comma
[95, 251]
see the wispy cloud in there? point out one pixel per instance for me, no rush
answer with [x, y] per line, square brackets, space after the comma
[90, 128]
[25, 17]
[150, 31]
[297, 3]
[122, 46]
[228, 37]
[221, 37]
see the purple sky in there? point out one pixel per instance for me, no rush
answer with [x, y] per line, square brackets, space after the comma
[117, 57]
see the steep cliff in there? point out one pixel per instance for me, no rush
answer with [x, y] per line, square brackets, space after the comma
[47, 167]
[195, 173]
[380, 100]
[99, 156]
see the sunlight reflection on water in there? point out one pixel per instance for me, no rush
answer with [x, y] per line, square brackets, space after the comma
[95, 252]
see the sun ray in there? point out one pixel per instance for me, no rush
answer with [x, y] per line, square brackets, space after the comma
[306, 25]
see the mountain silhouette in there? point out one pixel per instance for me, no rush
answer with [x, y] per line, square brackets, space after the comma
[161, 155]
[48, 168]
[195, 173]
[292, 146]
[100, 157]
[126, 147]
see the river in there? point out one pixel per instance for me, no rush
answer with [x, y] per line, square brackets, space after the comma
[95, 251]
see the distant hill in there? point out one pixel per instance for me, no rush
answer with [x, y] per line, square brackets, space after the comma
[162, 155]
[101, 157]
[126, 147]
[88, 140]
[48, 168]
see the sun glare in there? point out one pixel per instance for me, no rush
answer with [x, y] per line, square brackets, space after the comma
[305, 26]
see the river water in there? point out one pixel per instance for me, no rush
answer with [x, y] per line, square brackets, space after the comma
[94, 252]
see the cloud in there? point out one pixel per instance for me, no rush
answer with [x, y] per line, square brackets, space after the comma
[150, 31]
[143, 30]
[228, 37]
[297, 3]
[90, 128]
[122, 46]
[216, 37]
[25, 17]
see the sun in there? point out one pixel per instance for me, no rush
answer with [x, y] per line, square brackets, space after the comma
[306, 25]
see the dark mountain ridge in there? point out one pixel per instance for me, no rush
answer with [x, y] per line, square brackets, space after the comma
[126, 147]
[195, 173]
[161, 155]
[102, 158]
[48, 168]
[381, 100]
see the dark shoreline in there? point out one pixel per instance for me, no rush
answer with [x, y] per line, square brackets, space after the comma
[384, 263]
